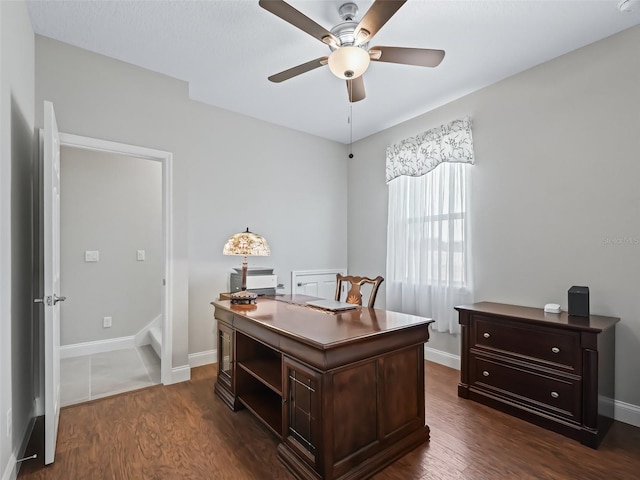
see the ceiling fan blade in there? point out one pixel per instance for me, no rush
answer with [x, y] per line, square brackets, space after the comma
[290, 15]
[299, 69]
[376, 17]
[420, 57]
[355, 89]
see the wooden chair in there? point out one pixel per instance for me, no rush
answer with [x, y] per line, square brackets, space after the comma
[354, 295]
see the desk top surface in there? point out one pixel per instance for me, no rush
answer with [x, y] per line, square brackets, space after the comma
[288, 315]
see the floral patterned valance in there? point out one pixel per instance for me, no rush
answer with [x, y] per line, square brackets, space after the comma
[419, 155]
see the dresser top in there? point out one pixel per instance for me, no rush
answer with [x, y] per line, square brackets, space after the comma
[595, 323]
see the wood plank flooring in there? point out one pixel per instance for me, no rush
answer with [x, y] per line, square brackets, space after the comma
[183, 431]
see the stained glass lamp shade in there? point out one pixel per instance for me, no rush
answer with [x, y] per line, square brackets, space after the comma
[246, 244]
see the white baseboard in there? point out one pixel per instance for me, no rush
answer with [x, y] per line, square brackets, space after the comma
[99, 346]
[181, 374]
[443, 358]
[154, 338]
[142, 337]
[626, 413]
[203, 358]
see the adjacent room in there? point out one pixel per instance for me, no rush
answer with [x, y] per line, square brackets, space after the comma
[179, 178]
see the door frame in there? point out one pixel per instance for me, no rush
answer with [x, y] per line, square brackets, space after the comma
[166, 159]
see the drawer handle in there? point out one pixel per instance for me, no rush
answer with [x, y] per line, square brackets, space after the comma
[555, 350]
[486, 335]
[485, 373]
[555, 394]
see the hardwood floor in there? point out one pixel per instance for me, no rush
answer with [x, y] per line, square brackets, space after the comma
[183, 431]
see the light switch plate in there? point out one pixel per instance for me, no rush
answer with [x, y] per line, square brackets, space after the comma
[141, 255]
[91, 255]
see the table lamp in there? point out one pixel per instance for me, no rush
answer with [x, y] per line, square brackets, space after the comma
[246, 244]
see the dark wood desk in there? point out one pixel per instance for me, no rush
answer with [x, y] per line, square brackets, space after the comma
[344, 392]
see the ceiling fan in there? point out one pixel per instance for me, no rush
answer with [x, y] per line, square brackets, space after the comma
[349, 43]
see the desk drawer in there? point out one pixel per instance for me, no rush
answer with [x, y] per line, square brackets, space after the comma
[555, 395]
[544, 345]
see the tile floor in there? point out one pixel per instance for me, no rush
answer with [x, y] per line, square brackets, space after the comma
[102, 374]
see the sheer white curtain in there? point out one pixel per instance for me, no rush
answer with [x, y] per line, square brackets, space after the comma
[428, 236]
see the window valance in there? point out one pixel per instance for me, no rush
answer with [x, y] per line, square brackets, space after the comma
[419, 155]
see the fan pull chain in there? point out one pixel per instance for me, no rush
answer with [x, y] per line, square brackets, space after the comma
[350, 119]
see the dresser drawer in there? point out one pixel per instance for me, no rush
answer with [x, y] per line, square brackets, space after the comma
[557, 396]
[539, 344]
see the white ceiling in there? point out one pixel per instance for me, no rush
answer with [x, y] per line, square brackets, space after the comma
[226, 49]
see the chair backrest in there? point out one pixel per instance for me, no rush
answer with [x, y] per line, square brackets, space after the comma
[354, 295]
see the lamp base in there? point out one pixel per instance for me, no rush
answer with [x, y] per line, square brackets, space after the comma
[243, 298]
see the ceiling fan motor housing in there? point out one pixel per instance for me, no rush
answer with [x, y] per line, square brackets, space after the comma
[345, 31]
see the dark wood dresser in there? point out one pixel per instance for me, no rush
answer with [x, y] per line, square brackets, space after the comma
[551, 369]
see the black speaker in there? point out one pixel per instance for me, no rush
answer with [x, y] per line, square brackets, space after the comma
[579, 301]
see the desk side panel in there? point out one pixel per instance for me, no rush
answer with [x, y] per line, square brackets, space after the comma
[355, 405]
[377, 412]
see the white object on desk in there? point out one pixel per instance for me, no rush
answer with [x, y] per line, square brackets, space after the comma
[552, 308]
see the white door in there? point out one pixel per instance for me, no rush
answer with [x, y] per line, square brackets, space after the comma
[318, 283]
[51, 231]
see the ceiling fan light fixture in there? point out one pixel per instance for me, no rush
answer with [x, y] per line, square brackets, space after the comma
[348, 62]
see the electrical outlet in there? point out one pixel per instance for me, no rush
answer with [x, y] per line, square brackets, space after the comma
[107, 322]
[91, 256]
[9, 422]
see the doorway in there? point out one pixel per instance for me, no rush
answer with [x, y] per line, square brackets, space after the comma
[111, 347]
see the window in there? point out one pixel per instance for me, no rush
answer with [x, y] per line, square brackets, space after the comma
[428, 240]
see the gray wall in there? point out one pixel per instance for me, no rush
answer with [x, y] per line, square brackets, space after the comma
[111, 203]
[97, 97]
[18, 325]
[230, 172]
[554, 192]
